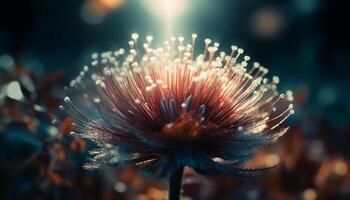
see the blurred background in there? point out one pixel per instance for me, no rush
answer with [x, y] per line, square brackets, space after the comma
[43, 44]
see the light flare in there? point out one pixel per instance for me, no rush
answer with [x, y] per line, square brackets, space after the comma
[167, 11]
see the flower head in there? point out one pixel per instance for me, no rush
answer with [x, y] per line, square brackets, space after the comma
[162, 108]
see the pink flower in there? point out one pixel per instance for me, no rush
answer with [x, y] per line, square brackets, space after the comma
[163, 108]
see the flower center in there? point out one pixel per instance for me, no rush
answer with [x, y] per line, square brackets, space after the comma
[187, 126]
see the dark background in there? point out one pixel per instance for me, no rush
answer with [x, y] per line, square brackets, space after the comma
[305, 42]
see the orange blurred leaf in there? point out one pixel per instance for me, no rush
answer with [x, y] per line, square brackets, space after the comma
[67, 126]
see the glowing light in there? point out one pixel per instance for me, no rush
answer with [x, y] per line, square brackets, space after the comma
[14, 91]
[167, 11]
[111, 4]
[340, 168]
[94, 11]
[120, 187]
[309, 194]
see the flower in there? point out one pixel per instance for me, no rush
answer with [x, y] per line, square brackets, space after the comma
[159, 109]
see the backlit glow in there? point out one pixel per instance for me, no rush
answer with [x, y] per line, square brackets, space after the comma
[167, 11]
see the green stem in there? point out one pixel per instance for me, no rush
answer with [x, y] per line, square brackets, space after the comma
[175, 183]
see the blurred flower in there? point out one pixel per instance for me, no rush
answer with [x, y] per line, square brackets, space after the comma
[162, 109]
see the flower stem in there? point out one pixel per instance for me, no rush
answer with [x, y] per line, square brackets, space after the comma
[175, 183]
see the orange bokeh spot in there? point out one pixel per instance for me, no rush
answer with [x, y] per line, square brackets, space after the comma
[110, 4]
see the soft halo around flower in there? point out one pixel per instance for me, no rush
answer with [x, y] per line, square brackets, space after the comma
[159, 109]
